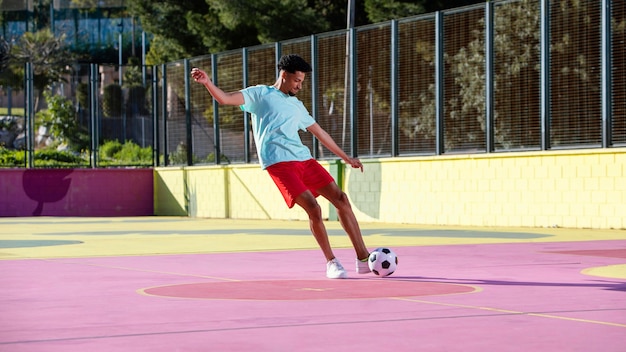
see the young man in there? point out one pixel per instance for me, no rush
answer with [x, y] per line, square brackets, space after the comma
[277, 115]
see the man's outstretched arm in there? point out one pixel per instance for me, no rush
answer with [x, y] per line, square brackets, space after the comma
[329, 143]
[232, 98]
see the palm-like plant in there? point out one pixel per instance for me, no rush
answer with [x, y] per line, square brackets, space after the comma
[49, 56]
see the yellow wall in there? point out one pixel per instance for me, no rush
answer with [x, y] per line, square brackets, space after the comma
[207, 192]
[229, 191]
[169, 191]
[575, 189]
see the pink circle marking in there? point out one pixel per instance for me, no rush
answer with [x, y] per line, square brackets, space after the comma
[299, 290]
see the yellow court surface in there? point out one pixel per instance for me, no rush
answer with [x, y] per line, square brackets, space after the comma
[58, 237]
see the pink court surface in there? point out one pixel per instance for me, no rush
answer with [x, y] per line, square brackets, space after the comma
[179, 284]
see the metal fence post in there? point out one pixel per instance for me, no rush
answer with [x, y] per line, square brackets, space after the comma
[314, 88]
[216, 113]
[29, 116]
[354, 142]
[545, 74]
[155, 116]
[187, 69]
[144, 68]
[277, 54]
[439, 87]
[607, 97]
[93, 112]
[489, 78]
[246, 120]
[395, 63]
[165, 112]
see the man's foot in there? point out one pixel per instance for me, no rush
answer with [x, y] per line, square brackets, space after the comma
[362, 267]
[334, 270]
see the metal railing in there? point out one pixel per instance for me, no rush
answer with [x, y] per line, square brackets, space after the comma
[517, 75]
[504, 76]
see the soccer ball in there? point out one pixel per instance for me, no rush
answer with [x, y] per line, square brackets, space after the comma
[383, 261]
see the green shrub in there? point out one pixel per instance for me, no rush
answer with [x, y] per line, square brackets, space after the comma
[55, 155]
[42, 158]
[55, 158]
[109, 149]
[211, 159]
[128, 154]
[133, 75]
[133, 152]
[179, 156]
[61, 119]
[12, 158]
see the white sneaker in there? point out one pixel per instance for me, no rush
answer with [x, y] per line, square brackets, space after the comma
[334, 270]
[362, 267]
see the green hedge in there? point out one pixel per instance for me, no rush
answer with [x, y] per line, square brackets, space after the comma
[112, 153]
[42, 158]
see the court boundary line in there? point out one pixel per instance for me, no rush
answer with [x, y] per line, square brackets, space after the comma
[497, 313]
[514, 312]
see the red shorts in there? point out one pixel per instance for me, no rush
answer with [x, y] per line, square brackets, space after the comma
[296, 177]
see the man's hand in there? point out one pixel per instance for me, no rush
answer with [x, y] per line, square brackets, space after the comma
[355, 163]
[199, 76]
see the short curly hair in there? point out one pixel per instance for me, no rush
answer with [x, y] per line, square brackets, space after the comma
[292, 63]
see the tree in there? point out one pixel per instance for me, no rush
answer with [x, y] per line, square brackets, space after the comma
[437, 5]
[197, 27]
[271, 20]
[516, 49]
[168, 21]
[49, 56]
[60, 118]
[575, 79]
[384, 10]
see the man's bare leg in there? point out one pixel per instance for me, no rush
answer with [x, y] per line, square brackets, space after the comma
[308, 202]
[346, 217]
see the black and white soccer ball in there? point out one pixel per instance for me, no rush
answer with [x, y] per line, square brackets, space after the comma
[383, 261]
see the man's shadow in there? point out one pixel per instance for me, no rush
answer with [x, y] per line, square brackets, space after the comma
[603, 284]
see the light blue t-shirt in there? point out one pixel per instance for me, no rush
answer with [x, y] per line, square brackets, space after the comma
[276, 119]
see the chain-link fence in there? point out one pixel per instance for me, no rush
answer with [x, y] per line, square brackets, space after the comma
[503, 76]
[89, 120]
[469, 80]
